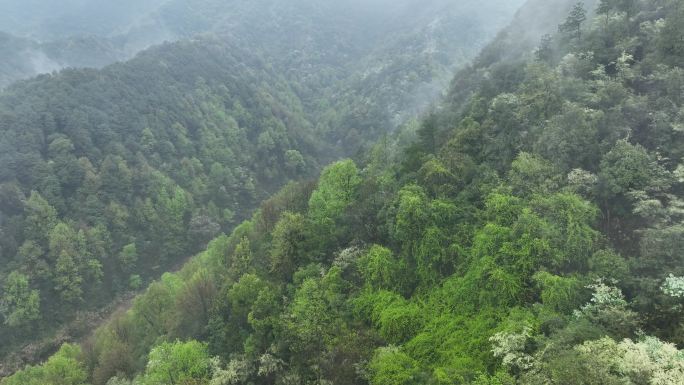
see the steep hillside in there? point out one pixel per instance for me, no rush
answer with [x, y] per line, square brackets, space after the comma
[110, 177]
[529, 235]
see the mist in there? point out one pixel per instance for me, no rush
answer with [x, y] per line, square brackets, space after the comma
[341, 192]
[280, 150]
[94, 33]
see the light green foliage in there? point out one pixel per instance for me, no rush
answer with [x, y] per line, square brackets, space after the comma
[562, 294]
[436, 178]
[41, 217]
[178, 363]
[380, 268]
[571, 233]
[629, 167]
[242, 259]
[400, 321]
[19, 304]
[336, 189]
[311, 318]
[431, 258]
[521, 241]
[412, 216]
[396, 319]
[170, 209]
[390, 366]
[288, 236]
[68, 280]
[128, 256]
[469, 251]
[531, 174]
[500, 378]
[73, 265]
[151, 308]
[65, 240]
[243, 294]
[63, 368]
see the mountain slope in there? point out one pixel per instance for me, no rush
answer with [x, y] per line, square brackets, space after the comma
[112, 176]
[117, 173]
[529, 235]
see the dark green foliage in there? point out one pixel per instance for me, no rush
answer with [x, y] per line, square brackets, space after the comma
[142, 163]
[537, 243]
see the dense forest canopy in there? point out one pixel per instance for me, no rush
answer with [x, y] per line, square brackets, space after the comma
[527, 230]
[111, 177]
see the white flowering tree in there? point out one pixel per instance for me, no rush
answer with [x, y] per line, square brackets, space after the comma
[510, 348]
[609, 309]
[648, 361]
[673, 286]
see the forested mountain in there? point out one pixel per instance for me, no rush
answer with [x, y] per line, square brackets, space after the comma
[529, 232]
[308, 38]
[110, 177]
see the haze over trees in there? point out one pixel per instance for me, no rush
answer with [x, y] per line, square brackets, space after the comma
[526, 230]
[111, 177]
[328, 40]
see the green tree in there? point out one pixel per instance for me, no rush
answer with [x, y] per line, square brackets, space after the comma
[65, 240]
[391, 366]
[63, 368]
[128, 257]
[40, 219]
[625, 169]
[531, 174]
[151, 307]
[337, 188]
[671, 38]
[412, 217]
[68, 279]
[178, 363]
[172, 207]
[287, 247]
[608, 6]
[19, 304]
[573, 24]
[294, 161]
[380, 269]
[243, 294]
[241, 261]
